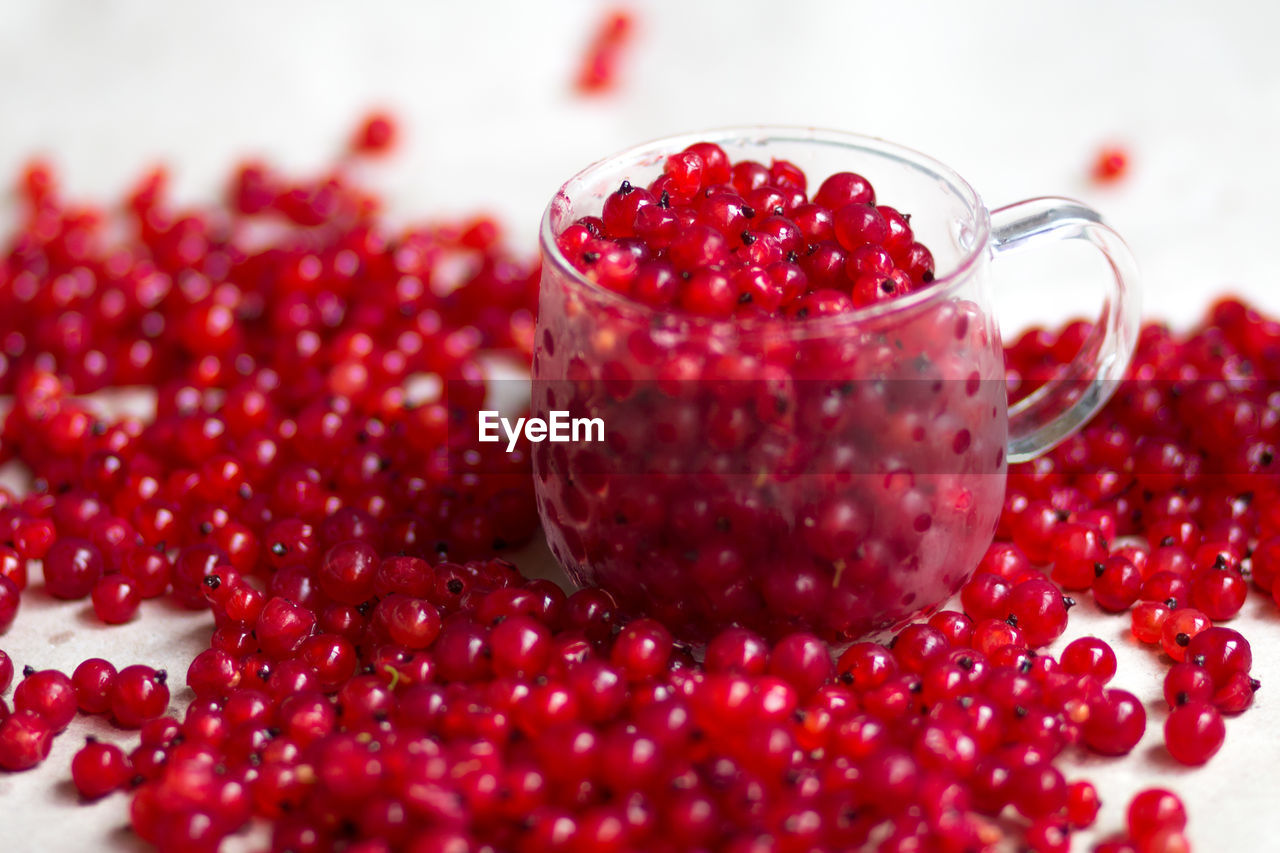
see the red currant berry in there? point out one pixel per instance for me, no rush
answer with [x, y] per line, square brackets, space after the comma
[1155, 809]
[99, 769]
[115, 599]
[1115, 724]
[48, 693]
[1194, 733]
[92, 682]
[138, 695]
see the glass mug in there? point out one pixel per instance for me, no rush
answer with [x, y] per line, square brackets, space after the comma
[838, 474]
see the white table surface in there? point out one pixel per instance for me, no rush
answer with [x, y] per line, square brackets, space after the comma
[1017, 96]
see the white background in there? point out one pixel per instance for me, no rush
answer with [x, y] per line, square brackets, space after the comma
[1016, 96]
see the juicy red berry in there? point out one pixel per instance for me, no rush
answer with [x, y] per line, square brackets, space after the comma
[1110, 165]
[115, 599]
[598, 71]
[1078, 550]
[918, 647]
[957, 628]
[1117, 585]
[1194, 733]
[1180, 629]
[375, 135]
[1147, 621]
[92, 682]
[844, 188]
[986, 596]
[411, 622]
[48, 693]
[1115, 724]
[1219, 593]
[642, 649]
[803, 660]
[1187, 682]
[25, 740]
[99, 769]
[857, 225]
[1153, 810]
[1039, 611]
[1090, 656]
[282, 626]
[71, 568]
[993, 635]
[684, 170]
[1235, 694]
[138, 695]
[1082, 804]
[347, 572]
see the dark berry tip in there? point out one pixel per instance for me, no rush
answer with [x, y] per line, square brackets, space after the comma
[1183, 639]
[28, 671]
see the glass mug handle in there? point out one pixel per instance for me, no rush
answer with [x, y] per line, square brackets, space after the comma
[1058, 408]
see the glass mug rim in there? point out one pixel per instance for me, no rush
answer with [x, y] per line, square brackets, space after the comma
[655, 150]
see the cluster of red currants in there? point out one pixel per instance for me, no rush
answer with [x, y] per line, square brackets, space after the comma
[376, 680]
[721, 239]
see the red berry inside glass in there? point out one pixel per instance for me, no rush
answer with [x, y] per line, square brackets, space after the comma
[745, 239]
